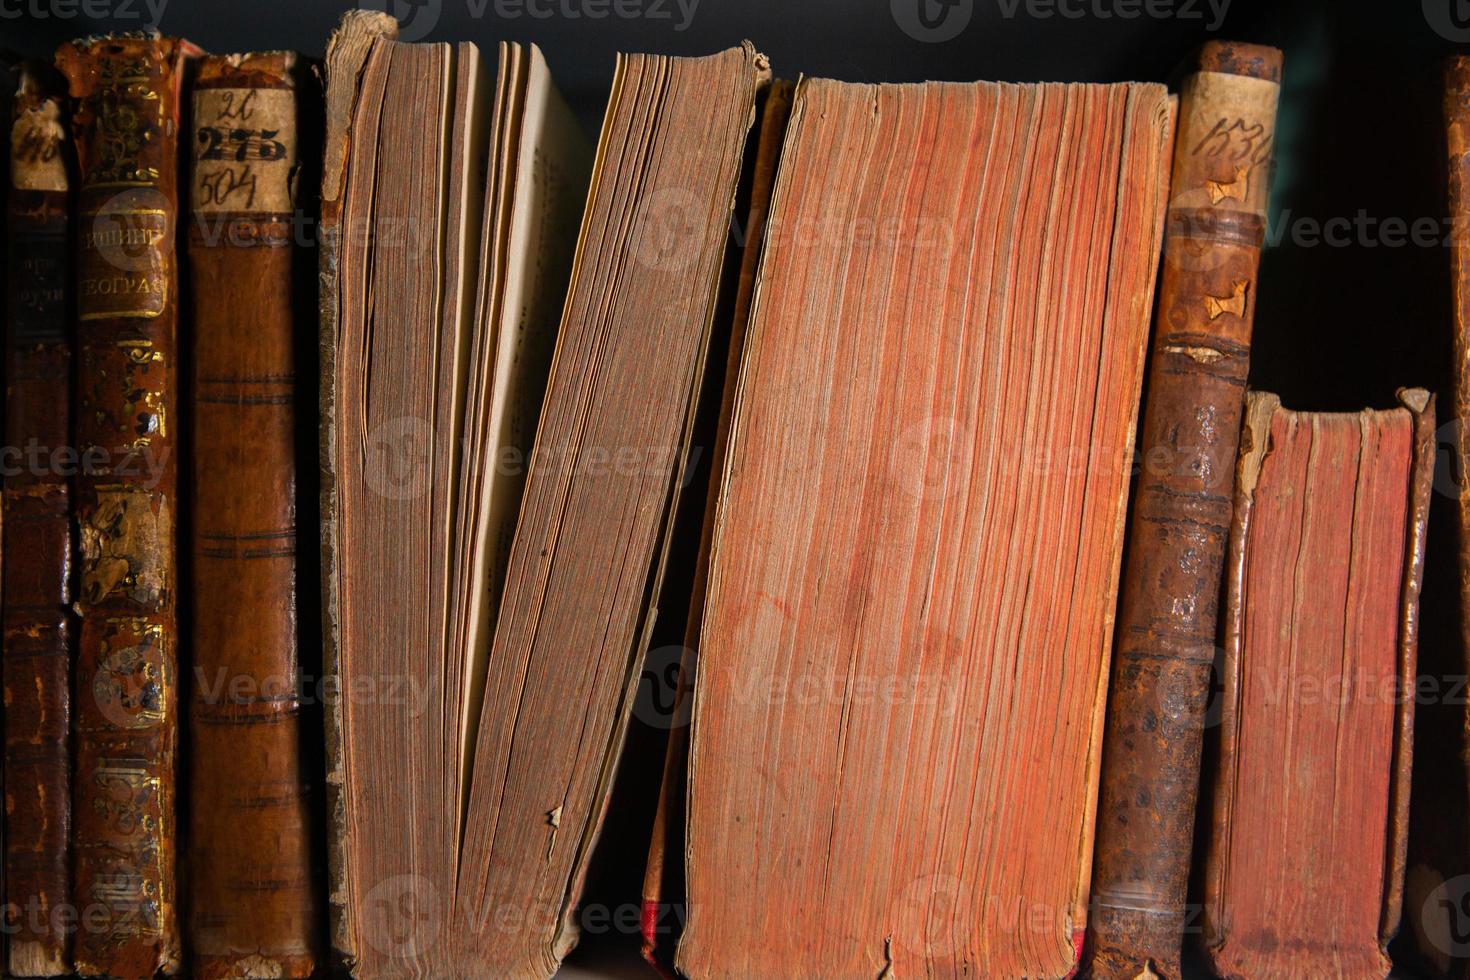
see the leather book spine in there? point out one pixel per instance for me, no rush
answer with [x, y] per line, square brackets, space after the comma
[39, 629]
[1457, 133]
[347, 53]
[1422, 406]
[253, 910]
[125, 718]
[1181, 512]
[1437, 894]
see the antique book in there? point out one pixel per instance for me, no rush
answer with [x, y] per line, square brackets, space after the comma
[253, 909]
[511, 557]
[663, 883]
[903, 660]
[39, 628]
[512, 403]
[606, 479]
[1181, 511]
[1304, 868]
[347, 52]
[1437, 885]
[125, 721]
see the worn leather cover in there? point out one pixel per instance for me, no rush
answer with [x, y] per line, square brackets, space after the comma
[1260, 408]
[126, 122]
[347, 52]
[253, 907]
[1181, 511]
[39, 628]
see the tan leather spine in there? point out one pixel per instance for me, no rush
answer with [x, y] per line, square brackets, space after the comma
[126, 713]
[38, 625]
[1422, 405]
[347, 53]
[254, 911]
[1167, 615]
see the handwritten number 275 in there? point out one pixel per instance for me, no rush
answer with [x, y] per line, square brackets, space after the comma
[220, 143]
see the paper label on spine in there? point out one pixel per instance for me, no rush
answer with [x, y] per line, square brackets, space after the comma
[36, 163]
[244, 150]
[1223, 160]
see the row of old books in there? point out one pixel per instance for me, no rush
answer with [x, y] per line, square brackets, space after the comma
[150, 515]
[837, 390]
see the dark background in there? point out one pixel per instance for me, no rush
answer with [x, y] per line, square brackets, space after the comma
[1349, 309]
[1338, 325]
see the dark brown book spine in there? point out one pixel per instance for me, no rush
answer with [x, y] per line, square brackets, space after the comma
[1181, 512]
[253, 908]
[1437, 893]
[37, 584]
[126, 126]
